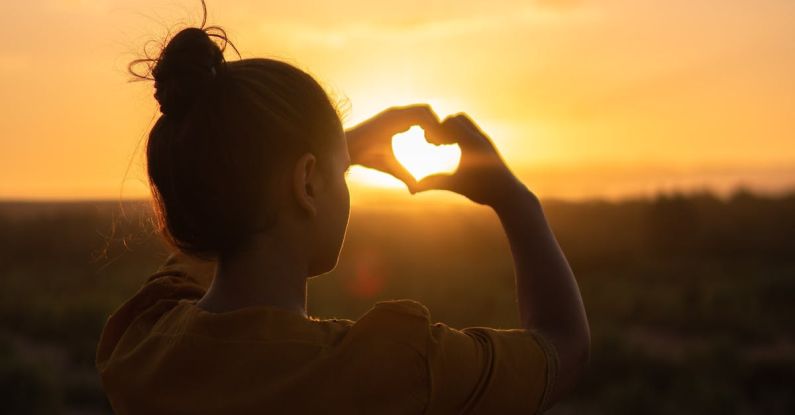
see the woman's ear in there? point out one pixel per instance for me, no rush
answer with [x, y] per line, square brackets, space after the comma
[304, 182]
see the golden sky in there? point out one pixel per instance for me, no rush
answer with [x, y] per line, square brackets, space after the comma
[583, 98]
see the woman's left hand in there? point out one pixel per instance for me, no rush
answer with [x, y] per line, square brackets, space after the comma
[370, 142]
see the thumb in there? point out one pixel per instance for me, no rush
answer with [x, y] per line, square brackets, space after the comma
[403, 175]
[434, 181]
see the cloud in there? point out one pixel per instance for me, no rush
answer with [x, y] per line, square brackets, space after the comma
[343, 34]
[558, 4]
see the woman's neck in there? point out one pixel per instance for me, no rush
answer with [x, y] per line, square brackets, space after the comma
[272, 272]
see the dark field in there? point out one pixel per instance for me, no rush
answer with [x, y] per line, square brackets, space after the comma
[690, 297]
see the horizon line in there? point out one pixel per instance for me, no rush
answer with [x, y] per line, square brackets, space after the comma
[686, 192]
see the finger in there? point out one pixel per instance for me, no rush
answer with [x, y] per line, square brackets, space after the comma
[459, 133]
[403, 175]
[426, 118]
[439, 135]
[434, 181]
[470, 135]
[419, 114]
[465, 120]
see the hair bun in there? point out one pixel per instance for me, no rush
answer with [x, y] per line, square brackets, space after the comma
[185, 66]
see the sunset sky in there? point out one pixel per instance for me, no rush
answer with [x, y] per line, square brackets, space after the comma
[584, 99]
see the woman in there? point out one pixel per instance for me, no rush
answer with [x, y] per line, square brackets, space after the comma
[247, 167]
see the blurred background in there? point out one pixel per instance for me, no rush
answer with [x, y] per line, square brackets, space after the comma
[660, 136]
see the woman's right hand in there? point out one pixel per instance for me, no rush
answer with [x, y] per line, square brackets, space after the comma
[482, 175]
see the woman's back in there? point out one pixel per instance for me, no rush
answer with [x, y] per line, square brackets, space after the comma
[160, 353]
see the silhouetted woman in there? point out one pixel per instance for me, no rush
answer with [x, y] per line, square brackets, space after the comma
[247, 167]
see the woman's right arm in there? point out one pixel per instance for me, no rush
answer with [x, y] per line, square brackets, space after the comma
[549, 298]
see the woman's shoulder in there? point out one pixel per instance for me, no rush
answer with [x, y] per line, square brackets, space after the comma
[390, 324]
[178, 278]
[405, 306]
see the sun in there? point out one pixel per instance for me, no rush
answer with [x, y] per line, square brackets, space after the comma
[422, 158]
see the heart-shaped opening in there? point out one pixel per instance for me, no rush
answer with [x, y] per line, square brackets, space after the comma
[422, 158]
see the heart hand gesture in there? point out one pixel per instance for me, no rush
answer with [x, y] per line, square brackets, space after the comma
[482, 175]
[370, 143]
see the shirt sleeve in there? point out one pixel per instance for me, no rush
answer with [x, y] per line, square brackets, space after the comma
[476, 370]
[480, 370]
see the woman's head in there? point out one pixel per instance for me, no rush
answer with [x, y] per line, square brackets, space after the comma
[241, 146]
